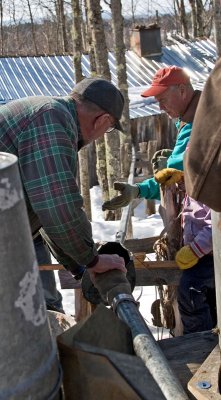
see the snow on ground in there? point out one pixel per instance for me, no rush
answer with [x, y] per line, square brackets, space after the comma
[143, 226]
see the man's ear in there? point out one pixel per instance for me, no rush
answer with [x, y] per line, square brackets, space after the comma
[102, 122]
[182, 89]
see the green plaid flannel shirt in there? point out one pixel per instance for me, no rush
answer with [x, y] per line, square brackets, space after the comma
[43, 133]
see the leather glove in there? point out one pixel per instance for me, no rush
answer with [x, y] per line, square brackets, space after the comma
[128, 193]
[186, 258]
[168, 176]
[111, 283]
[159, 159]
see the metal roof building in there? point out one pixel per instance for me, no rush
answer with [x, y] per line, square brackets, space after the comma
[54, 75]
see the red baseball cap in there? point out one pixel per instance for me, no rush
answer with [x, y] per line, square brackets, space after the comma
[164, 78]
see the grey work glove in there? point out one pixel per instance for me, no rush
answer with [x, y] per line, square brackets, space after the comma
[111, 283]
[159, 159]
[128, 193]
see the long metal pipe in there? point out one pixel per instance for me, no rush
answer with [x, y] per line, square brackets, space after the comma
[147, 349]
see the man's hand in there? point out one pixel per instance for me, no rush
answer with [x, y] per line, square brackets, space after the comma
[159, 159]
[128, 193]
[186, 258]
[107, 262]
[168, 176]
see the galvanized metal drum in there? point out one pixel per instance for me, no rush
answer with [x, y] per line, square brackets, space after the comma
[29, 367]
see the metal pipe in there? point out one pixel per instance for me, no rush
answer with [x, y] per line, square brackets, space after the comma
[29, 365]
[147, 349]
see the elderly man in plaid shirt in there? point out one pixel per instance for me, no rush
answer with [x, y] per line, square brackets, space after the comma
[45, 133]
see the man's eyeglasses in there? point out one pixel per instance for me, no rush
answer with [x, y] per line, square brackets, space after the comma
[111, 129]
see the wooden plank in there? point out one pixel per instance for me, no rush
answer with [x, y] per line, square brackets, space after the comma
[155, 277]
[141, 262]
[148, 273]
[151, 273]
[186, 354]
[141, 245]
[51, 267]
[207, 373]
[216, 228]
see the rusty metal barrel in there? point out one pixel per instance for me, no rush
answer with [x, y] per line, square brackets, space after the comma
[29, 366]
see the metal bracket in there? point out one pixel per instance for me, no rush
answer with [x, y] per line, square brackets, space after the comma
[123, 297]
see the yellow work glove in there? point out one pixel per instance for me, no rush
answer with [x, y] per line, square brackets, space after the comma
[128, 193]
[186, 258]
[168, 176]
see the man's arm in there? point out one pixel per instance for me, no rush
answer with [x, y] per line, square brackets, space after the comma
[47, 160]
[150, 188]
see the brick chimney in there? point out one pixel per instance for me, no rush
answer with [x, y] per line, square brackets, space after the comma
[145, 41]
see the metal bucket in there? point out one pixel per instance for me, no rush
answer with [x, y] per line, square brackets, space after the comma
[29, 367]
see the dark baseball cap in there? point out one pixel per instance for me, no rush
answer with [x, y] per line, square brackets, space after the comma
[104, 94]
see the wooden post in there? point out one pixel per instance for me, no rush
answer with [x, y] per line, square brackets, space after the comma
[216, 228]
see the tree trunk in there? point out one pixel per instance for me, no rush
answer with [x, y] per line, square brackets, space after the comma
[98, 39]
[32, 28]
[89, 41]
[183, 19]
[82, 307]
[199, 12]
[112, 144]
[63, 27]
[217, 25]
[77, 40]
[2, 31]
[107, 165]
[119, 50]
[193, 17]
[84, 179]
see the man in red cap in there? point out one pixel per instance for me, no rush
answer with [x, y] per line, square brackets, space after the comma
[171, 87]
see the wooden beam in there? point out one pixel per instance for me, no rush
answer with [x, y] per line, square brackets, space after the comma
[51, 267]
[148, 273]
[141, 245]
[216, 228]
[204, 384]
[151, 273]
[187, 353]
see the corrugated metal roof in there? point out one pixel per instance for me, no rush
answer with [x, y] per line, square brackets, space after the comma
[54, 75]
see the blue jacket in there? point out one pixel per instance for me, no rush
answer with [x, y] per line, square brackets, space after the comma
[150, 188]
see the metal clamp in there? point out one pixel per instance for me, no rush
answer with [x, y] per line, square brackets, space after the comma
[122, 297]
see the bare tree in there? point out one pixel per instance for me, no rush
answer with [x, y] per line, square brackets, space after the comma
[32, 27]
[62, 25]
[217, 25]
[199, 13]
[102, 69]
[1, 27]
[88, 41]
[83, 153]
[193, 17]
[182, 16]
[119, 50]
